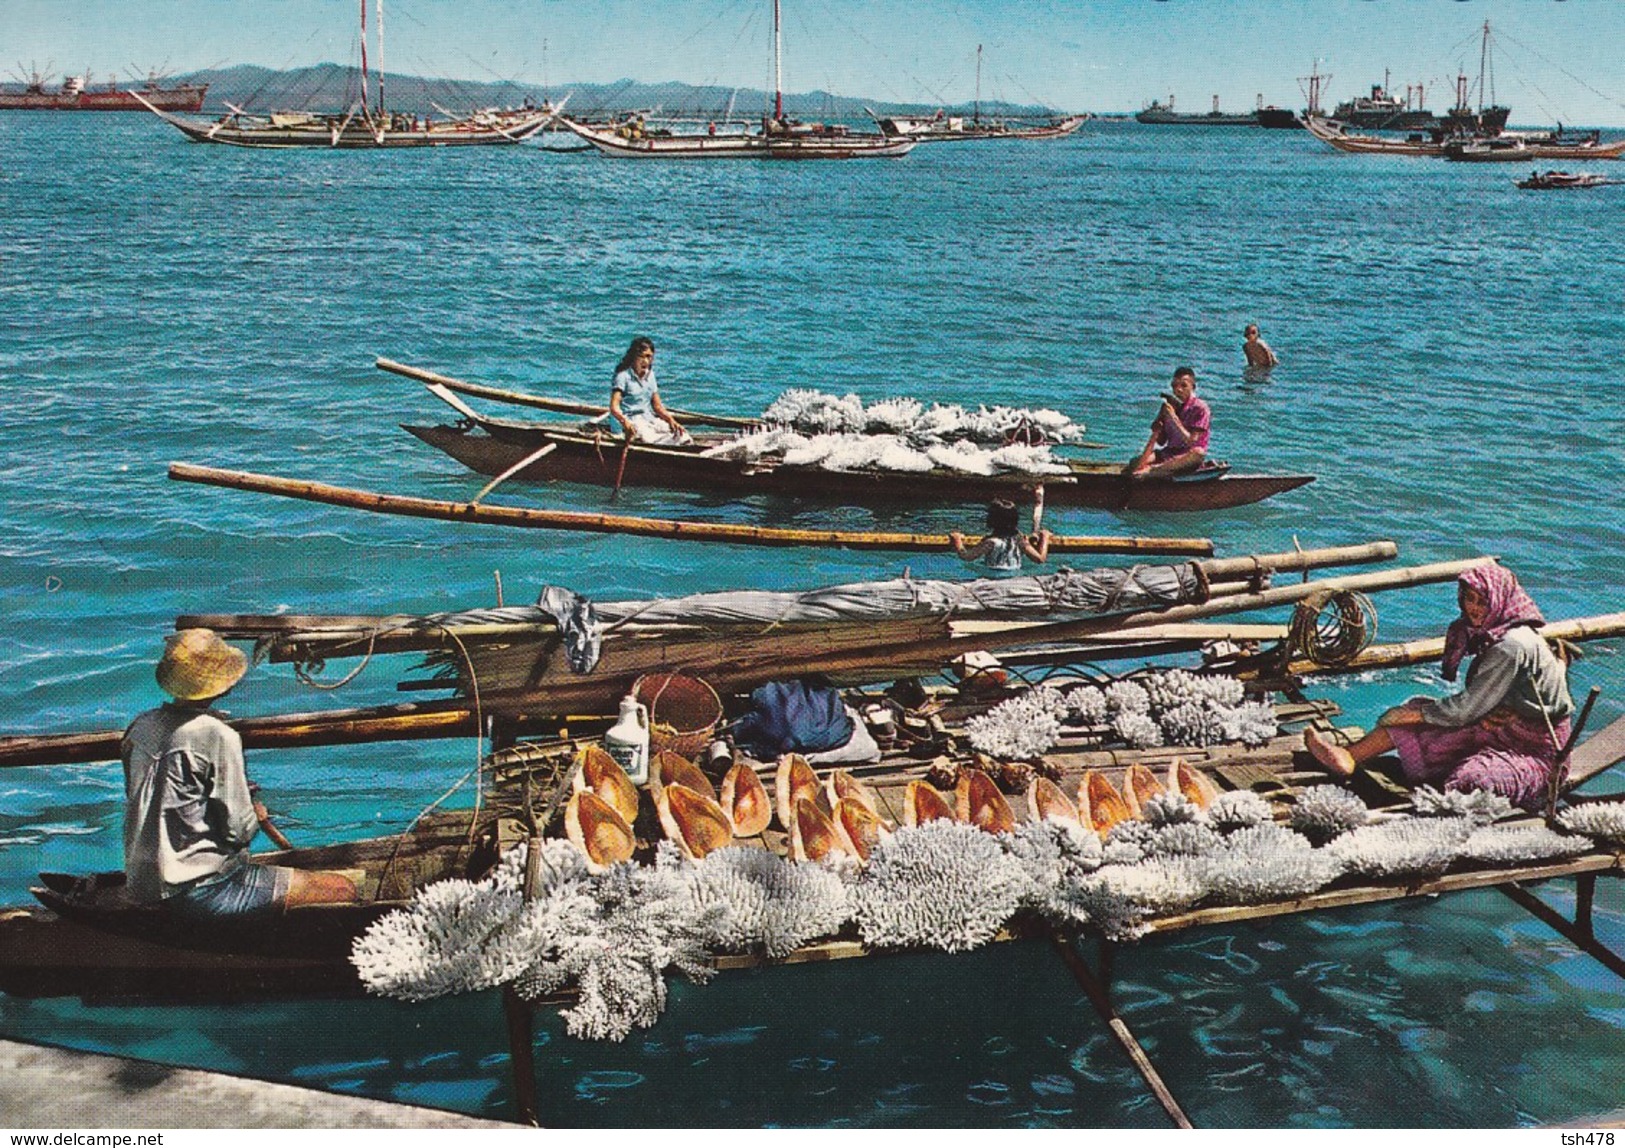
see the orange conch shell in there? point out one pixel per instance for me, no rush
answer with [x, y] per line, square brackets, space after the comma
[1100, 806]
[595, 828]
[1140, 785]
[794, 780]
[981, 804]
[693, 820]
[745, 801]
[670, 768]
[923, 803]
[812, 833]
[601, 775]
[1047, 801]
[1195, 785]
[840, 785]
[859, 827]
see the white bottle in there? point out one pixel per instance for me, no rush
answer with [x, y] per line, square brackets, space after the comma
[628, 739]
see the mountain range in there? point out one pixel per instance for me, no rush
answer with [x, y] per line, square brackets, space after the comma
[329, 87]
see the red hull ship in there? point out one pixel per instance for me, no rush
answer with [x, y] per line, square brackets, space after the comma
[76, 95]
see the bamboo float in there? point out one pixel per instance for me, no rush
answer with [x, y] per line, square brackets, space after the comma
[537, 519]
[543, 403]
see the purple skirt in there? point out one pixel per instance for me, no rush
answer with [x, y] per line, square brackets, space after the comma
[1512, 757]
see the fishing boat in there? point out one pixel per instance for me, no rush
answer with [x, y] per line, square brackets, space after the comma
[780, 137]
[1561, 180]
[77, 95]
[1157, 112]
[365, 127]
[941, 127]
[1338, 136]
[1519, 147]
[496, 446]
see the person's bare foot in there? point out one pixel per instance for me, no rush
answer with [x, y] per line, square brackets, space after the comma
[1338, 761]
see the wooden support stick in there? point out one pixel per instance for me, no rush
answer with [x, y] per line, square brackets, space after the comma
[645, 527]
[1099, 997]
[1581, 939]
[1431, 649]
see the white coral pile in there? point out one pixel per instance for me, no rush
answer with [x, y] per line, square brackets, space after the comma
[1137, 729]
[1267, 862]
[1127, 697]
[1238, 809]
[942, 885]
[762, 900]
[816, 412]
[1604, 820]
[851, 450]
[1205, 709]
[1323, 812]
[1517, 844]
[1054, 855]
[1192, 723]
[1088, 705]
[1021, 728]
[1480, 805]
[1417, 845]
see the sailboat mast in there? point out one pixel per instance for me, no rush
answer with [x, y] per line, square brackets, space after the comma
[977, 114]
[1483, 59]
[778, 67]
[380, 59]
[363, 56]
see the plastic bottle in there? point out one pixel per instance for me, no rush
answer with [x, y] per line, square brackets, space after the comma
[628, 739]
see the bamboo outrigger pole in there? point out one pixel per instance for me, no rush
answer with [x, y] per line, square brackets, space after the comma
[538, 519]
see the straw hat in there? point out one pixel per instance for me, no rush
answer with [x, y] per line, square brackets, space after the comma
[198, 664]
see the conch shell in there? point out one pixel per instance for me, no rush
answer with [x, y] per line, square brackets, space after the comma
[595, 828]
[858, 827]
[1193, 784]
[922, 803]
[840, 785]
[1140, 785]
[1047, 801]
[601, 775]
[670, 768]
[744, 800]
[694, 821]
[981, 804]
[812, 833]
[1100, 806]
[794, 780]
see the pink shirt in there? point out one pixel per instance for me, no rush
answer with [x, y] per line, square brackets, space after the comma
[1172, 441]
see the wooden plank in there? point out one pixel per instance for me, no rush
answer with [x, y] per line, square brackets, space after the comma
[1601, 751]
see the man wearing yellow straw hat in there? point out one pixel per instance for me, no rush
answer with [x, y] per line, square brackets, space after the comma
[191, 812]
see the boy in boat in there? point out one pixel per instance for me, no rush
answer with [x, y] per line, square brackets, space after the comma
[1179, 434]
[190, 811]
[1505, 730]
[1005, 545]
[1258, 353]
[634, 399]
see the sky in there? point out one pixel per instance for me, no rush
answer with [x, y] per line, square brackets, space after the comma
[1554, 59]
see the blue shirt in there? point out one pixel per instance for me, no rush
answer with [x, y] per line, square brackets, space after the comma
[637, 395]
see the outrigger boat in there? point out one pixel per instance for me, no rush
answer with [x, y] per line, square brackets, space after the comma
[1559, 180]
[941, 127]
[780, 137]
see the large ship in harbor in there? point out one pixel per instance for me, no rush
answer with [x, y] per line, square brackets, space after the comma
[1157, 112]
[77, 95]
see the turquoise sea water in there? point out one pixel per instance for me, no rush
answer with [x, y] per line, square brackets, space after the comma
[1450, 348]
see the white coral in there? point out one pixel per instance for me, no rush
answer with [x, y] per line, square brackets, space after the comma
[1020, 728]
[1267, 863]
[1418, 845]
[1238, 809]
[1480, 805]
[1192, 723]
[1516, 844]
[764, 900]
[1251, 723]
[1323, 812]
[1124, 696]
[1169, 808]
[1137, 729]
[1604, 820]
[942, 885]
[1088, 704]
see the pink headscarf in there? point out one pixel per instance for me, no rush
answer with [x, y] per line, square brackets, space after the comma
[1509, 606]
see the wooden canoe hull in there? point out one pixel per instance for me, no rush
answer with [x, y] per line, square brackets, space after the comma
[579, 458]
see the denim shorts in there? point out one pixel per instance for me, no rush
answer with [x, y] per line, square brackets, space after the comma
[239, 892]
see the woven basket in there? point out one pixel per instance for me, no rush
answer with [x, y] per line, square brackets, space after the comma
[684, 712]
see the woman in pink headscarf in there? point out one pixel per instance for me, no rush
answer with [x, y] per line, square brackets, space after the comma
[1504, 730]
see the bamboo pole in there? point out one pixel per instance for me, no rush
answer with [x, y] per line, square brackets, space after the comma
[645, 527]
[1431, 649]
[543, 403]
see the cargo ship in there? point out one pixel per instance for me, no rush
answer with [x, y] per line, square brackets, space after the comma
[1157, 112]
[76, 95]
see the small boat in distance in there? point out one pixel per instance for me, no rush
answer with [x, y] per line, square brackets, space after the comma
[1559, 180]
[942, 127]
[1157, 112]
[779, 138]
[364, 127]
[76, 95]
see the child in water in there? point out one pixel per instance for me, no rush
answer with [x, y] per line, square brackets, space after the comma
[1004, 545]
